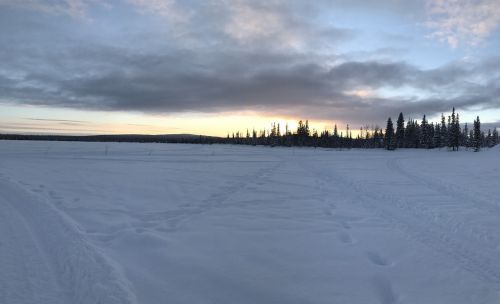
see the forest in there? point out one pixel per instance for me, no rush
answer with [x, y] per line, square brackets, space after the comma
[423, 134]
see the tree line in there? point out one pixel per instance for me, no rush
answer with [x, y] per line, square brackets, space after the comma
[448, 133]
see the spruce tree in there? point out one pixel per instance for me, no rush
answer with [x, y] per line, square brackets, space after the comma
[418, 134]
[456, 131]
[449, 136]
[437, 136]
[465, 136]
[389, 139]
[348, 137]
[431, 132]
[444, 132]
[477, 135]
[400, 131]
[453, 131]
[411, 134]
[315, 138]
[425, 134]
[489, 139]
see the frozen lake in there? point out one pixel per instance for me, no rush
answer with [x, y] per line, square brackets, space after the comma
[163, 223]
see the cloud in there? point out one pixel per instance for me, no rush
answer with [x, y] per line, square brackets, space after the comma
[254, 24]
[248, 23]
[463, 21]
[73, 8]
[210, 56]
[63, 121]
[212, 81]
[277, 24]
[169, 9]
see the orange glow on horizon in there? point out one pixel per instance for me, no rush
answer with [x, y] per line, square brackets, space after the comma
[40, 120]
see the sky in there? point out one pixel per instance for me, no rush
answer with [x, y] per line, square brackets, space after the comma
[216, 66]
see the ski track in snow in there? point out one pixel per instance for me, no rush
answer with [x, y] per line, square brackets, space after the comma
[46, 260]
[27, 276]
[241, 231]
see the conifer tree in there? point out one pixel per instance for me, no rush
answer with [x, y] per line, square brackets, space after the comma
[465, 136]
[410, 134]
[418, 135]
[425, 140]
[431, 132]
[377, 137]
[456, 132]
[449, 134]
[348, 137]
[444, 132]
[301, 133]
[437, 136]
[400, 131]
[315, 138]
[389, 139]
[477, 135]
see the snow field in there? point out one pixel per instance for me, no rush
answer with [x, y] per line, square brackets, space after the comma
[160, 223]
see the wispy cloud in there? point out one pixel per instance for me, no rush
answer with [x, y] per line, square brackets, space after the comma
[73, 8]
[249, 23]
[170, 9]
[463, 21]
[66, 122]
[278, 25]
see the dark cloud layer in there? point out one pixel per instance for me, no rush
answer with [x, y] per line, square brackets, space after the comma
[221, 68]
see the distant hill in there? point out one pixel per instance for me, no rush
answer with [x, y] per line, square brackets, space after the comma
[165, 138]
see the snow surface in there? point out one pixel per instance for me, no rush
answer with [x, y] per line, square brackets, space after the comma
[160, 223]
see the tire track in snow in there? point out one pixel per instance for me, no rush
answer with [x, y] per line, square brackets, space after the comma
[60, 266]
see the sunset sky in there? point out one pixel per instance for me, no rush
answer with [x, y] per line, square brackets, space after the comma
[213, 66]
